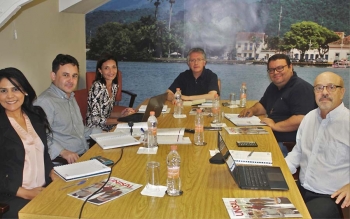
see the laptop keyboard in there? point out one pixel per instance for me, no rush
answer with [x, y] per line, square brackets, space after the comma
[255, 176]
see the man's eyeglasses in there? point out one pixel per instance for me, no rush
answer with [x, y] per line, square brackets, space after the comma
[278, 69]
[330, 87]
[195, 60]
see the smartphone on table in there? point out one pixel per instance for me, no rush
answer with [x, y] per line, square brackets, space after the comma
[103, 160]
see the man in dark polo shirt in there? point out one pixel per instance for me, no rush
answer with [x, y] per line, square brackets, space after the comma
[197, 82]
[285, 102]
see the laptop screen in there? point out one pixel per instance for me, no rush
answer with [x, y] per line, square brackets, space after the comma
[231, 164]
[155, 104]
[226, 153]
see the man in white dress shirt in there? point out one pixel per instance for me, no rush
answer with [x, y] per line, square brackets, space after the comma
[322, 150]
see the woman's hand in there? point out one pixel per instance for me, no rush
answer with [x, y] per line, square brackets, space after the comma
[127, 112]
[53, 175]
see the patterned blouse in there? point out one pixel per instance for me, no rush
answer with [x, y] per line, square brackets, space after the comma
[100, 105]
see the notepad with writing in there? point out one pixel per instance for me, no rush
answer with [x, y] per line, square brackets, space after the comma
[255, 158]
[83, 169]
[114, 139]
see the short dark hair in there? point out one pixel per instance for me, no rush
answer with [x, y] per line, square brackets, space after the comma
[279, 56]
[62, 59]
[104, 58]
[200, 50]
[17, 78]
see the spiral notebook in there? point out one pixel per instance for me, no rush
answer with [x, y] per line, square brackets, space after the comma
[83, 169]
[253, 158]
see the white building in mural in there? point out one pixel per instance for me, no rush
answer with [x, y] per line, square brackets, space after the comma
[338, 50]
[249, 45]
[247, 48]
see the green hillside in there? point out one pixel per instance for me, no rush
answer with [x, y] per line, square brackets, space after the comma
[334, 15]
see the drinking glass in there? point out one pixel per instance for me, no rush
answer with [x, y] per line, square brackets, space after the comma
[152, 174]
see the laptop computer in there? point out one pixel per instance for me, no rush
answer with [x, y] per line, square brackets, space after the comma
[154, 104]
[252, 176]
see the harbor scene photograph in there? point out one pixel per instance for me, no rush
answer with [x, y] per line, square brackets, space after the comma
[151, 39]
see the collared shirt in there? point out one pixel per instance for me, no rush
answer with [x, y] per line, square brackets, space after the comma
[63, 114]
[100, 105]
[295, 98]
[189, 85]
[322, 151]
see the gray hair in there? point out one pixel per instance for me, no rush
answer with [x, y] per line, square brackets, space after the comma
[199, 50]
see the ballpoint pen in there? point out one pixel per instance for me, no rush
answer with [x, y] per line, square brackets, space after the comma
[75, 184]
[178, 136]
[250, 154]
[144, 135]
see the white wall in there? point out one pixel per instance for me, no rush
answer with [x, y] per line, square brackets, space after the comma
[42, 33]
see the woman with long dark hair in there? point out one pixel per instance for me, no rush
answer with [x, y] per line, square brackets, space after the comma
[102, 94]
[25, 165]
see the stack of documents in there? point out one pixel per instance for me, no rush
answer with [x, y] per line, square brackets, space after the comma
[114, 139]
[172, 136]
[193, 102]
[142, 108]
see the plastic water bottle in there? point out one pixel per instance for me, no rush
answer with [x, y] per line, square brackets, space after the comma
[173, 180]
[178, 102]
[152, 130]
[243, 95]
[199, 128]
[216, 109]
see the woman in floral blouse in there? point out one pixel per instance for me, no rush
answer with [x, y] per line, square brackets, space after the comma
[102, 94]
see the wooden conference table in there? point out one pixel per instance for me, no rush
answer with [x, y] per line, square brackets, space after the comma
[204, 184]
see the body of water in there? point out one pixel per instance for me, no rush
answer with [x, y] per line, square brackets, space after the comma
[148, 79]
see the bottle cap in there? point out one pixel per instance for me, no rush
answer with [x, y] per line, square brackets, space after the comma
[177, 88]
[151, 113]
[199, 110]
[173, 147]
[244, 83]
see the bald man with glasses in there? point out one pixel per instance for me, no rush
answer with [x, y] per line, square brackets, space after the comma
[285, 102]
[322, 150]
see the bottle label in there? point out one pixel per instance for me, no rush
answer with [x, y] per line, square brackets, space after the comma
[243, 95]
[173, 172]
[153, 131]
[179, 102]
[215, 110]
[199, 128]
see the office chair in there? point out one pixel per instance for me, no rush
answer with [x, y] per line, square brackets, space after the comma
[3, 209]
[219, 85]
